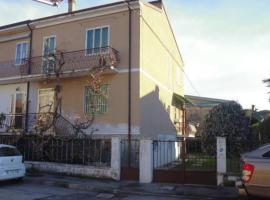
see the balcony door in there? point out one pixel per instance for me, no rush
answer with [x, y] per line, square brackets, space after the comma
[46, 100]
[48, 60]
[18, 106]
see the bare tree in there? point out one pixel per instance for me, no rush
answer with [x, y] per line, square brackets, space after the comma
[50, 120]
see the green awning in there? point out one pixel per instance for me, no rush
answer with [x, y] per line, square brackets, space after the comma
[179, 101]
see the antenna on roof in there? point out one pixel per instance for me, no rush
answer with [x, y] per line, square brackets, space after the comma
[71, 3]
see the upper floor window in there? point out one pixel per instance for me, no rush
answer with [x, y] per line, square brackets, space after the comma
[97, 39]
[21, 52]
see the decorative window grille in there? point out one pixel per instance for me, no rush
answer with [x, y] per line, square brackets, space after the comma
[96, 102]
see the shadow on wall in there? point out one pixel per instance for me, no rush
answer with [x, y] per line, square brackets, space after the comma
[155, 116]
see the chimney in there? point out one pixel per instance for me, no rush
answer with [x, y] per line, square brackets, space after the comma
[71, 5]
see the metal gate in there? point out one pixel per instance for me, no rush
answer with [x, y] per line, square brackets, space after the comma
[183, 161]
[130, 159]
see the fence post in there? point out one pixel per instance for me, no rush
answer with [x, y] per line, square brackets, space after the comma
[146, 161]
[221, 160]
[116, 157]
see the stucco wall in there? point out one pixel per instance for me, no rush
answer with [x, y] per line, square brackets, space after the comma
[159, 52]
[115, 120]
[72, 36]
[8, 49]
[161, 75]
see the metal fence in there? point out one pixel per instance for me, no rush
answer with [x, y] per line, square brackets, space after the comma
[182, 155]
[83, 151]
[130, 160]
[183, 161]
[130, 151]
[72, 61]
[12, 122]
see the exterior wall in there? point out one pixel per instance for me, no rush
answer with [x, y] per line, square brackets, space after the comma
[115, 121]
[6, 92]
[160, 75]
[72, 36]
[155, 74]
[8, 49]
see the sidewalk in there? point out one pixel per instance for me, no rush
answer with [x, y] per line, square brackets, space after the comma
[126, 187]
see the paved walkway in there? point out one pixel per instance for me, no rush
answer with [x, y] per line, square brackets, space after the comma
[27, 191]
[133, 188]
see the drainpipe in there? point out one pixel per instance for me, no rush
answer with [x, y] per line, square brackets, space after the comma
[28, 82]
[129, 83]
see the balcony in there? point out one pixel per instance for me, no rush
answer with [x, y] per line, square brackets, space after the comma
[65, 63]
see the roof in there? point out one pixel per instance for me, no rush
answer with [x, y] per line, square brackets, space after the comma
[180, 101]
[65, 14]
[205, 101]
[15, 24]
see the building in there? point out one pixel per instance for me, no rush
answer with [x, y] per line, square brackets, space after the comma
[133, 41]
[196, 111]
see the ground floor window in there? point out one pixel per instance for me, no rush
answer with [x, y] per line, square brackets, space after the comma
[96, 102]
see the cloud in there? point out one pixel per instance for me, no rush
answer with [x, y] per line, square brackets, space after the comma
[225, 46]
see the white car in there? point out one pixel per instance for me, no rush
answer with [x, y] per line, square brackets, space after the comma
[11, 163]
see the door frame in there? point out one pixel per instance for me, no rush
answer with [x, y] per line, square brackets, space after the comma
[38, 97]
[13, 107]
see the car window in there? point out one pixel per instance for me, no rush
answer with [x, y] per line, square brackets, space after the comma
[266, 155]
[8, 151]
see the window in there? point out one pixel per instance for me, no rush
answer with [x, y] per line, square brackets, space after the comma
[9, 151]
[96, 103]
[96, 39]
[266, 155]
[21, 52]
[49, 47]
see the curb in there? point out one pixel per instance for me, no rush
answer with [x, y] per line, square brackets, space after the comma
[88, 187]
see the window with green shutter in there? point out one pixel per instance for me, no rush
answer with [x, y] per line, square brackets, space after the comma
[96, 102]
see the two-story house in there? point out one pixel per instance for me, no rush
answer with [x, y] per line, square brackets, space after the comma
[143, 80]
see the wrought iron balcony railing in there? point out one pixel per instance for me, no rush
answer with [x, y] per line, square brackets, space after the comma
[62, 62]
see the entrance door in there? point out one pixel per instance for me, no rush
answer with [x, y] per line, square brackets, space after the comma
[18, 110]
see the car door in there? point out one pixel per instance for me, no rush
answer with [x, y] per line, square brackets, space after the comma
[265, 170]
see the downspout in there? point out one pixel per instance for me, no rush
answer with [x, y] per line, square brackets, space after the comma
[129, 82]
[28, 82]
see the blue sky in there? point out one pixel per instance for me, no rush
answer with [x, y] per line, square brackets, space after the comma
[225, 44]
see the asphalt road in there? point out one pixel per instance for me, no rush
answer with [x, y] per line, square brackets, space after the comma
[24, 191]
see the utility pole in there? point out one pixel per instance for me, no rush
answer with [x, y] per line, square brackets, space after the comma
[251, 114]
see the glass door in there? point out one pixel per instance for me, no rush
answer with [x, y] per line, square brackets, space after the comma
[48, 61]
[19, 103]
